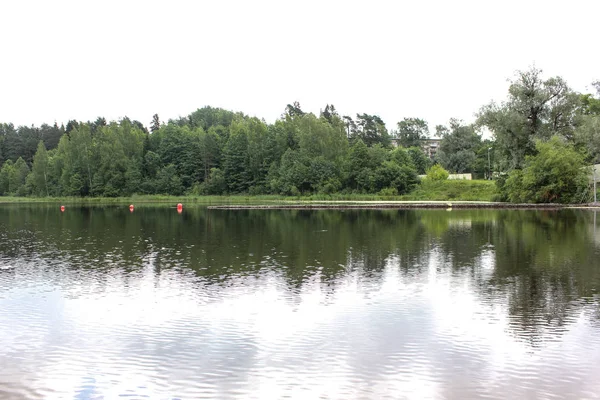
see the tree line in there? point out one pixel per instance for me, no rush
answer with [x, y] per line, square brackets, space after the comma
[215, 151]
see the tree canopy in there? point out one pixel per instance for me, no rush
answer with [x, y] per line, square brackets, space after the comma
[535, 138]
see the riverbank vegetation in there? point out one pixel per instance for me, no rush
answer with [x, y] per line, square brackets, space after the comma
[215, 152]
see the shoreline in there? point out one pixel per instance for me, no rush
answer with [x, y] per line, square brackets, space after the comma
[289, 203]
[401, 205]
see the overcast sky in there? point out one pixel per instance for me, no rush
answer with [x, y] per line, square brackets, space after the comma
[435, 60]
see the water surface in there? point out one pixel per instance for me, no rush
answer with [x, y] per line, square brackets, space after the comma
[98, 302]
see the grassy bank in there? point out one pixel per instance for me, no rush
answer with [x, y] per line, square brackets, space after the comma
[426, 191]
[457, 190]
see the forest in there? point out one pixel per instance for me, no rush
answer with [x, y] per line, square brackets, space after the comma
[540, 139]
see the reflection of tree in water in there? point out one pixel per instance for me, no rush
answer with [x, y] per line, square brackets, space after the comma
[544, 263]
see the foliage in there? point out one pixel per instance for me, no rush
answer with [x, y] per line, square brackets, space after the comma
[213, 151]
[368, 128]
[437, 173]
[40, 171]
[419, 160]
[411, 131]
[536, 108]
[457, 151]
[555, 175]
[456, 190]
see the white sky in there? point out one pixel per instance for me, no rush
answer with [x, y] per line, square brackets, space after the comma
[435, 60]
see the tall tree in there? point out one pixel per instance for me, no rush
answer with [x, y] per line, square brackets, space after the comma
[536, 108]
[457, 151]
[235, 159]
[40, 170]
[371, 130]
[155, 124]
[411, 131]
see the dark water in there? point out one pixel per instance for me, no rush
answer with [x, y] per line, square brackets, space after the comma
[101, 303]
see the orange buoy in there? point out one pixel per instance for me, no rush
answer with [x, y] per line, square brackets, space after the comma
[131, 207]
[62, 208]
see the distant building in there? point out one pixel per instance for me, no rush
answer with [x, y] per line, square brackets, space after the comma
[429, 146]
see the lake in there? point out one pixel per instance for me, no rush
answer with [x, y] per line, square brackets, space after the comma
[100, 303]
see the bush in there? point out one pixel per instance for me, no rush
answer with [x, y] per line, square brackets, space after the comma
[437, 173]
[216, 184]
[388, 192]
[557, 174]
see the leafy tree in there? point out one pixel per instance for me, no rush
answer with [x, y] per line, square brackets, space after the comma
[457, 151]
[293, 176]
[329, 113]
[168, 182]
[324, 175]
[259, 150]
[420, 161]
[555, 175]
[40, 171]
[51, 135]
[437, 173]
[181, 146]
[537, 108]
[155, 124]
[293, 110]
[411, 131]
[392, 175]
[216, 184]
[209, 117]
[235, 159]
[71, 125]
[96, 125]
[6, 174]
[76, 151]
[587, 132]
[587, 137]
[18, 177]
[371, 130]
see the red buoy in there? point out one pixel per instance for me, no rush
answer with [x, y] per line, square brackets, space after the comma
[131, 207]
[179, 207]
[62, 208]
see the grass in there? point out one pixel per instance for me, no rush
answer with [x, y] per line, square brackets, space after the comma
[457, 190]
[136, 199]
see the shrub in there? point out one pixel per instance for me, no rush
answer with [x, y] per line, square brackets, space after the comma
[557, 174]
[388, 192]
[437, 173]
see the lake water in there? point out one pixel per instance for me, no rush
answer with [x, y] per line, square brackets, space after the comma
[101, 303]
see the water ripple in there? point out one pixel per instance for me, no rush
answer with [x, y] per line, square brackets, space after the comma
[95, 311]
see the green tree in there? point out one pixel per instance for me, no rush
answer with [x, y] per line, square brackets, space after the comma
[40, 171]
[419, 159]
[536, 108]
[155, 124]
[168, 182]
[77, 152]
[216, 184]
[293, 176]
[437, 173]
[402, 178]
[235, 159]
[368, 128]
[411, 131]
[18, 177]
[555, 175]
[457, 151]
[6, 174]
